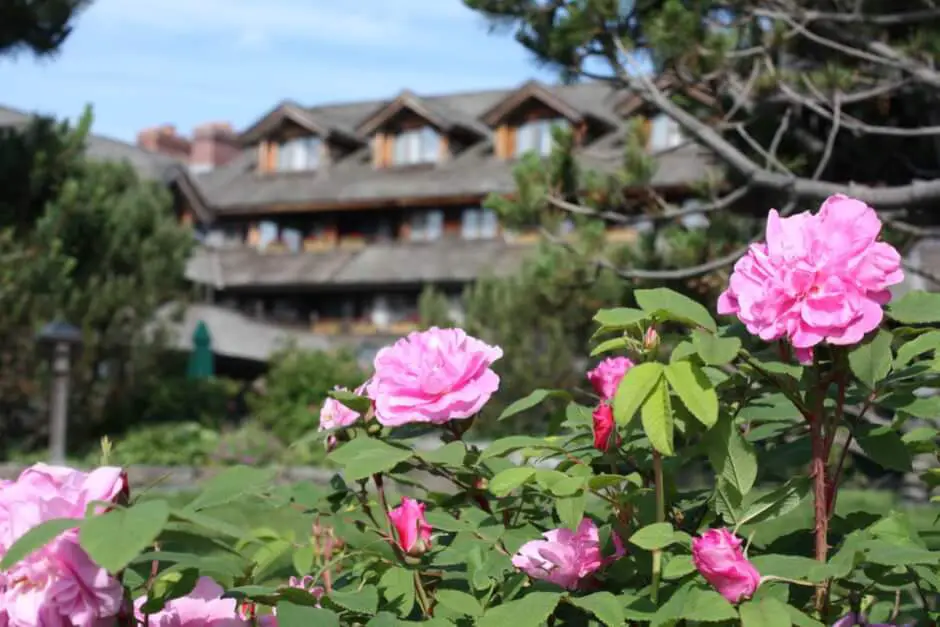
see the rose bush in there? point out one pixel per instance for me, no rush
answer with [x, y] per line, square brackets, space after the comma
[597, 522]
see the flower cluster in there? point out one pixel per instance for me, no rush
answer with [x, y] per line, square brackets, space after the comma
[567, 558]
[605, 379]
[58, 584]
[432, 376]
[819, 278]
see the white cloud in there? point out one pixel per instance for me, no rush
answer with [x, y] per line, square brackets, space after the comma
[377, 23]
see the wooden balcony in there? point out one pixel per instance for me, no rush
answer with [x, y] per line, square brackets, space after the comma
[361, 328]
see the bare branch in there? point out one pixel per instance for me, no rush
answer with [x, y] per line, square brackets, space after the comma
[833, 133]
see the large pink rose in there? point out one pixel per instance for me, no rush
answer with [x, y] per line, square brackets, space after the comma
[818, 278]
[412, 529]
[203, 607]
[58, 584]
[433, 376]
[566, 558]
[606, 377]
[718, 556]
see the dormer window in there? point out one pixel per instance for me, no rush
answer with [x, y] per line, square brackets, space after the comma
[536, 136]
[421, 145]
[299, 154]
[665, 133]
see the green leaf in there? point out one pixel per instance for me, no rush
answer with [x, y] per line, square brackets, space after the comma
[694, 389]
[727, 501]
[619, 317]
[871, 362]
[510, 479]
[35, 539]
[634, 389]
[398, 589]
[884, 447]
[460, 602]
[363, 457]
[535, 398]
[781, 501]
[362, 601]
[452, 454]
[302, 559]
[663, 303]
[115, 538]
[915, 308]
[291, 615]
[768, 612]
[655, 536]
[570, 510]
[732, 456]
[232, 484]
[613, 344]
[715, 350]
[678, 566]
[361, 404]
[384, 619]
[605, 606]
[532, 610]
[504, 446]
[921, 344]
[656, 416]
[792, 567]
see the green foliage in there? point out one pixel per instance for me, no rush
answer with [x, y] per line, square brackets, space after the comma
[484, 504]
[39, 26]
[296, 385]
[90, 243]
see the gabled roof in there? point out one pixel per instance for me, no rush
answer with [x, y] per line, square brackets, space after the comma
[437, 113]
[291, 111]
[532, 90]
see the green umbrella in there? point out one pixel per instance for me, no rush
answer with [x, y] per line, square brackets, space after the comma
[201, 364]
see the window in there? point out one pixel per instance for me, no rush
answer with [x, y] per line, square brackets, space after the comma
[479, 224]
[299, 154]
[536, 136]
[418, 146]
[292, 239]
[664, 133]
[427, 226]
[267, 234]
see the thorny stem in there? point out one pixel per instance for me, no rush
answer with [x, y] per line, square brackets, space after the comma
[422, 596]
[380, 490]
[660, 517]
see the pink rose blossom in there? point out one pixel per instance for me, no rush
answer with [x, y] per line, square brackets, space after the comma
[335, 415]
[412, 530]
[606, 377]
[566, 558]
[58, 585]
[203, 607]
[818, 278]
[604, 426]
[718, 556]
[433, 376]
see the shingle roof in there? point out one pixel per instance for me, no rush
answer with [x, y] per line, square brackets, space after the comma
[238, 188]
[451, 261]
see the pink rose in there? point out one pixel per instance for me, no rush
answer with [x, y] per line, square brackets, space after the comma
[566, 558]
[335, 415]
[718, 556]
[604, 426]
[203, 607]
[412, 530]
[606, 377]
[58, 584]
[433, 376]
[818, 278]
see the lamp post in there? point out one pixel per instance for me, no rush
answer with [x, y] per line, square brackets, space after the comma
[59, 339]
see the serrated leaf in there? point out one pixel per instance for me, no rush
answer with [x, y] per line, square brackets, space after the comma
[291, 615]
[634, 389]
[510, 479]
[915, 307]
[871, 362]
[570, 510]
[657, 418]
[713, 349]
[884, 447]
[533, 399]
[678, 566]
[362, 601]
[619, 317]
[532, 610]
[655, 536]
[361, 404]
[921, 344]
[731, 455]
[768, 612]
[35, 539]
[694, 389]
[363, 457]
[607, 346]
[115, 538]
[460, 602]
[230, 485]
[663, 302]
[605, 606]
[398, 588]
[781, 501]
[452, 454]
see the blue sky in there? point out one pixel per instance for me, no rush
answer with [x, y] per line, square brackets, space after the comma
[146, 62]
